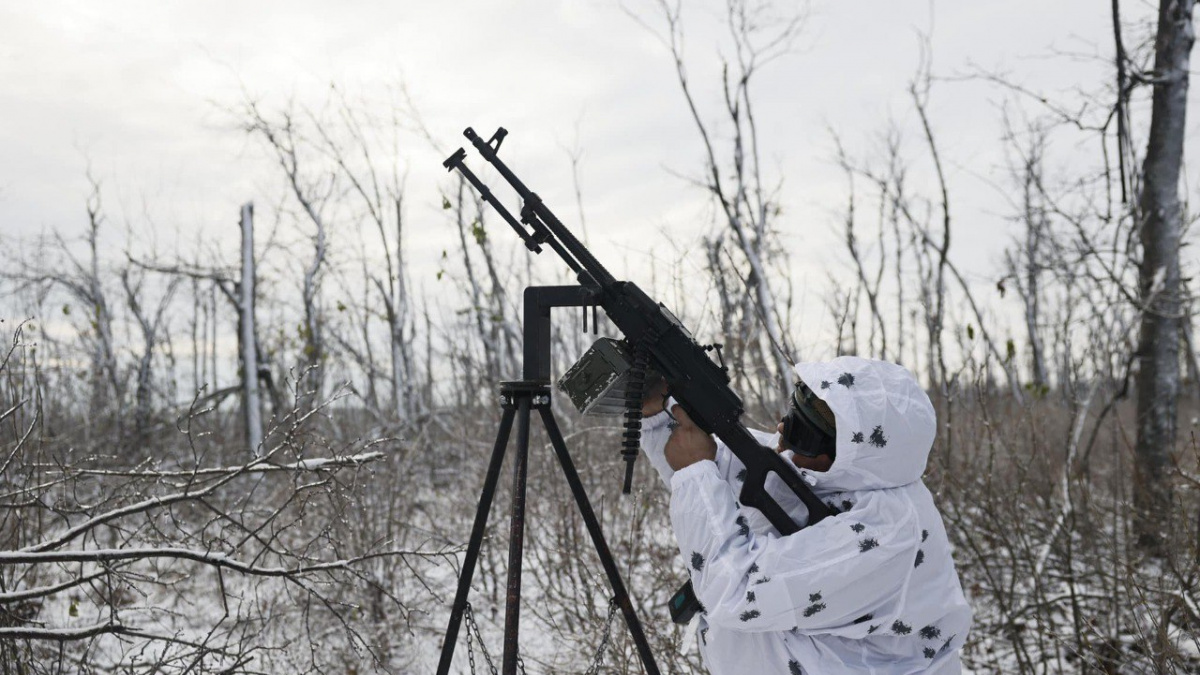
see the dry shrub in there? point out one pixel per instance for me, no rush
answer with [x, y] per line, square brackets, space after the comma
[1043, 541]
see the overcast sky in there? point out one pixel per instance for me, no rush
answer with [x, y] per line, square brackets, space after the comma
[140, 90]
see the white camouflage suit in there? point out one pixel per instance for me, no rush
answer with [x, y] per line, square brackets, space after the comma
[870, 590]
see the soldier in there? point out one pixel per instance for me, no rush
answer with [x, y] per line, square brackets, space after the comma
[872, 589]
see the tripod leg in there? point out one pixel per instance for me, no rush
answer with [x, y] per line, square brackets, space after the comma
[476, 541]
[516, 539]
[593, 526]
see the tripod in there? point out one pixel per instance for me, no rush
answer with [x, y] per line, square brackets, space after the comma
[518, 399]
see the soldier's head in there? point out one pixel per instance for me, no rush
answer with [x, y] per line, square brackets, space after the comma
[809, 430]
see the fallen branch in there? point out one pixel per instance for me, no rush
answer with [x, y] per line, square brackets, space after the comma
[85, 632]
[316, 464]
[41, 591]
[207, 557]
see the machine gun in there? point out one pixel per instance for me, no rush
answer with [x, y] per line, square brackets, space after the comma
[658, 340]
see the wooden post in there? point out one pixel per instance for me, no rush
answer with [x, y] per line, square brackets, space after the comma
[251, 396]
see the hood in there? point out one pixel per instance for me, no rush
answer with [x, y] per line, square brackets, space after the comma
[885, 422]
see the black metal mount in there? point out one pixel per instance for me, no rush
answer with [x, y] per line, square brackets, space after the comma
[517, 401]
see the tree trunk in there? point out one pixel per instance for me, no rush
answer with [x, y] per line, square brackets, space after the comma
[105, 369]
[398, 317]
[312, 375]
[1159, 283]
[141, 397]
[251, 396]
[1036, 231]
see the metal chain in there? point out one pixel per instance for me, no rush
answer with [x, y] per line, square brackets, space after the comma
[605, 640]
[473, 627]
[470, 651]
[473, 630]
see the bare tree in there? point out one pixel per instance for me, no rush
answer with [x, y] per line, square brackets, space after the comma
[312, 193]
[343, 163]
[152, 327]
[86, 285]
[1027, 263]
[866, 282]
[748, 204]
[379, 192]
[1160, 220]
[238, 285]
[497, 330]
[82, 277]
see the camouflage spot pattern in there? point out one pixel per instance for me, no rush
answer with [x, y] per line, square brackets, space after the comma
[877, 439]
[930, 633]
[697, 561]
[794, 668]
[920, 558]
[857, 437]
[865, 545]
[743, 526]
[858, 528]
[846, 380]
[747, 616]
[901, 628]
[946, 644]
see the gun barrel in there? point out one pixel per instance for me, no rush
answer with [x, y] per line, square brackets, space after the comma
[455, 162]
[535, 212]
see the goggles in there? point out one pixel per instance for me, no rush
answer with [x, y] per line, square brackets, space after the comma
[809, 427]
